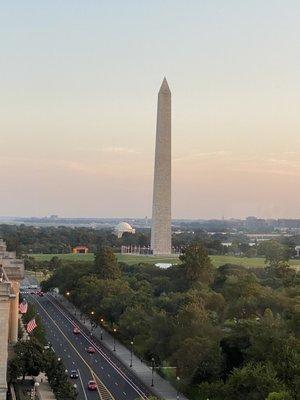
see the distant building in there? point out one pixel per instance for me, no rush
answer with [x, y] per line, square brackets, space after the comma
[80, 250]
[123, 227]
[11, 274]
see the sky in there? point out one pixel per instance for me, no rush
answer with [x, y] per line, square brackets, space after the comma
[79, 83]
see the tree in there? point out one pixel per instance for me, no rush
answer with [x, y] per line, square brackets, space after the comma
[106, 264]
[58, 378]
[252, 382]
[274, 252]
[198, 359]
[197, 264]
[270, 342]
[14, 369]
[54, 263]
[29, 358]
[279, 396]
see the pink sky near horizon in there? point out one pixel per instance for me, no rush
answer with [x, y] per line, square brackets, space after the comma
[78, 106]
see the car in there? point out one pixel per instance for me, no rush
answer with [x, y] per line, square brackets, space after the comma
[92, 385]
[41, 294]
[76, 330]
[74, 374]
[91, 350]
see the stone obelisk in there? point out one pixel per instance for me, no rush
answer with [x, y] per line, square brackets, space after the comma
[161, 211]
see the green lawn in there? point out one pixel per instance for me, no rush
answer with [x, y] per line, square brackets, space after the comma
[134, 259]
[129, 259]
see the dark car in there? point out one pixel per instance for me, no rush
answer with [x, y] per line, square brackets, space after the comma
[74, 374]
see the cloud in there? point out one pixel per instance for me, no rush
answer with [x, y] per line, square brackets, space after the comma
[111, 149]
[120, 150]
[199, 155]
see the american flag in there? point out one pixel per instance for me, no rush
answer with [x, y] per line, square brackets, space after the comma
[31, 325]
[23, 307]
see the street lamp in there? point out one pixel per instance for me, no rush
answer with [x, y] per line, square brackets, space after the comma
[153, 366]
[115, 330]
[68, 294]
[91, 319]
[101, 331]
[178, 380]
[35, 386]
[131, 351]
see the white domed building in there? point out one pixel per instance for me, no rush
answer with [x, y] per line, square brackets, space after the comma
[123, 227]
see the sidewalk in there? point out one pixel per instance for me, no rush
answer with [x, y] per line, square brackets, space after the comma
[44, 390]
[162, 388]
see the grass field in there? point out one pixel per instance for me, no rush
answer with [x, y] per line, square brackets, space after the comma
[135, 259]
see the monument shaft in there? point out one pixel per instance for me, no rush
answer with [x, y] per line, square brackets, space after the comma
[161, 212]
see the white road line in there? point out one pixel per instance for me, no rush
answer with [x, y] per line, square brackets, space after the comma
[83, 388]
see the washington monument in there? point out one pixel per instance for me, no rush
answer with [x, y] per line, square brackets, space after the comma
[161, 209]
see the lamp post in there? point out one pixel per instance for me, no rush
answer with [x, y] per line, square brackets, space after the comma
[153, 366]
[115, 330]
[91, 320]
[178, 380]
[131, 352]
[35, 386]
[101, 329]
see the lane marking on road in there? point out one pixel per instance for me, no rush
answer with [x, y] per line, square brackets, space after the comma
[118, 369]
[83, 388]
[90, 369]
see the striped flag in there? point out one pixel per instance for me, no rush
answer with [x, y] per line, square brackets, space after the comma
[23, 307]
[31, 325]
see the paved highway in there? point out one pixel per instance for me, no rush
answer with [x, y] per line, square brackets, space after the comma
[114, 381]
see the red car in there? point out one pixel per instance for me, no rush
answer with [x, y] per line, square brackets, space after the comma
[91, 350]
[92, 385]
[76, 331]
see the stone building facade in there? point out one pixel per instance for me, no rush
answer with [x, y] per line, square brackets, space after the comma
[11, 274]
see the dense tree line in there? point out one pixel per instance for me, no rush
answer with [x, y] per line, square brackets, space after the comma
[57, 240]
[31, 358]
[232, 333]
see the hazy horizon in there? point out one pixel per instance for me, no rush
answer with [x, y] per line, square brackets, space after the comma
[79, 83]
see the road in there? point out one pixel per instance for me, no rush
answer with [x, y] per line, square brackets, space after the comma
[114, 381]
